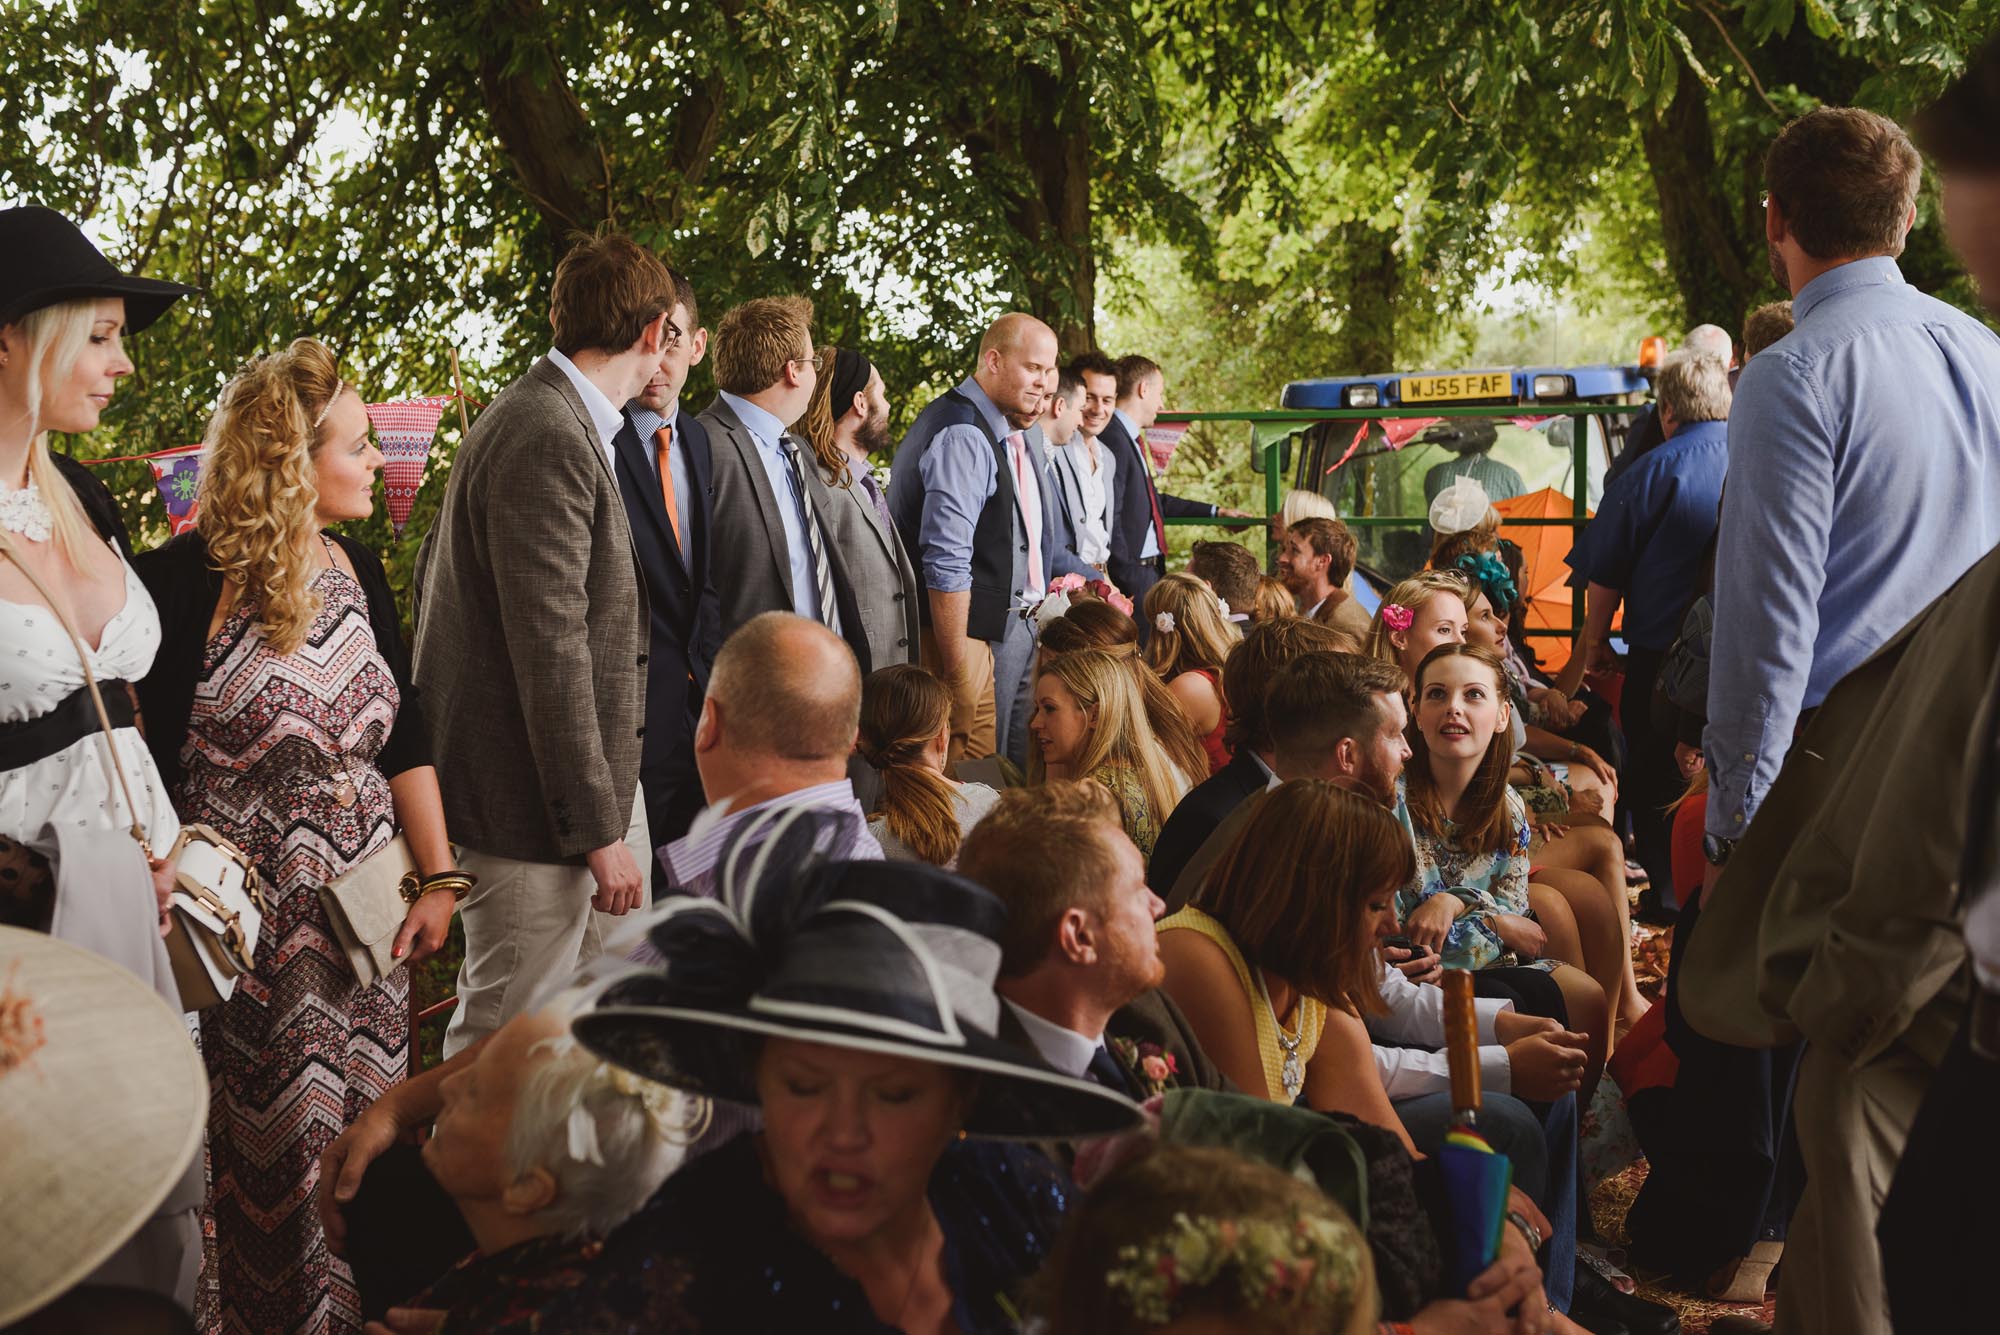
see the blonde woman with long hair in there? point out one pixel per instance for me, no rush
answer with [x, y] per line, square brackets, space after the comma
[1092, 623]
[1191, 640]
[1419, 614]
[923, 814]
[281, 712]
[68, 864]
[1090, 723]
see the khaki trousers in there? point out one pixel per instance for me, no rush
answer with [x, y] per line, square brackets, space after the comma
[529, 927]
[972, 716]
[1851, 1125]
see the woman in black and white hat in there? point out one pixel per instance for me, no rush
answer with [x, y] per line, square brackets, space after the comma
[852, 1003]
[68, 865]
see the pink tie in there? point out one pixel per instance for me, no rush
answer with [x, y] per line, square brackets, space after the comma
[1028, 488]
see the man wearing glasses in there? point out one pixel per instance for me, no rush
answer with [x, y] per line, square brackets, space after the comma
[773, 549]
[661, 459]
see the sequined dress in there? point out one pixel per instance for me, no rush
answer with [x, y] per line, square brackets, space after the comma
[280, 758]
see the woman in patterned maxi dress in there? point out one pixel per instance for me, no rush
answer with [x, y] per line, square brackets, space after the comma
[292, 730]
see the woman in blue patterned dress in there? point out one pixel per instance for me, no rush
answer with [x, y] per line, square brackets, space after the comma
[1469, 900]
[280, 712]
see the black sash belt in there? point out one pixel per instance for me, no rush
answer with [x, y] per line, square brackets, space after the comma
[38, 738]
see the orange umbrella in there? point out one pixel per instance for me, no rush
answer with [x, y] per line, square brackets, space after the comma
[1544, 575]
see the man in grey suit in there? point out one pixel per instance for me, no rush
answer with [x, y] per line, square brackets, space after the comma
[531, 644]
[774, 546]
[848, 424]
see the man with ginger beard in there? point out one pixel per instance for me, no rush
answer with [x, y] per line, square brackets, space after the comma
[1080, 966]
[975, 503]
[846, 425]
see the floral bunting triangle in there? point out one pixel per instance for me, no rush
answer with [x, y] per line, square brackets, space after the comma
[177, 473]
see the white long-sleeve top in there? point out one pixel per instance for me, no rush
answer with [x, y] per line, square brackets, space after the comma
[1416, 1015]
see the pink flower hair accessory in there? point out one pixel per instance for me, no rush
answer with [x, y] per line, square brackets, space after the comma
[1397, 617]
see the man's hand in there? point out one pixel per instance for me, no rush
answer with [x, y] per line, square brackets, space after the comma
[407, 1321]
[1545, 1067]
[1432, 920]
[620, 887]
[1689, 761]
[1419, 966]
[343, 1163]
[1510, 1025]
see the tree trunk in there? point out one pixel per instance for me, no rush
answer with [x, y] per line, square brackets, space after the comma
[1709, 256]
[1367, 339]
[1059, 269]
[556, 154]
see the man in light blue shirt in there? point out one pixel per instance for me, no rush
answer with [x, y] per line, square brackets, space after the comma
[1864, 480]
[773, 550]
[975, 502]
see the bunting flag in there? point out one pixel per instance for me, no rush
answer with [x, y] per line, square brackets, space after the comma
[177, 473]
[1400, 429]
[1162, 439]
[404, 429]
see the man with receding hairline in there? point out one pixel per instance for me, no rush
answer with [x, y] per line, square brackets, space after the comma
[975, 502]
[783, 708]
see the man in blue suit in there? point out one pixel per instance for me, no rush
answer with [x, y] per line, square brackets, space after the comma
[1139, 531]
[662, 463]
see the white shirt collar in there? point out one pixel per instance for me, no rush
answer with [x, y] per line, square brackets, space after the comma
[1131, 427]
[604, 414]
[1064, 1049]
[759, 422]
[1269, 773]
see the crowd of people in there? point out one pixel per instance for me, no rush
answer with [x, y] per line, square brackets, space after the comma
[893, 898]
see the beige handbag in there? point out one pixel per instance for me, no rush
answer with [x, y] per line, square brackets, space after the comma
[218, 899]
[367, 904]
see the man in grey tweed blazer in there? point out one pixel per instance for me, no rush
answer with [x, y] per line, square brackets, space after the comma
[531, 645]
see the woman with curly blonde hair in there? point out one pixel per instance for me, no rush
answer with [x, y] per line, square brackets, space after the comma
[1191, 639]
[280, 711]
[1090, 723]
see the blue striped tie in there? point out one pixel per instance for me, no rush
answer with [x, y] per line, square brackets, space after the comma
[829, 612]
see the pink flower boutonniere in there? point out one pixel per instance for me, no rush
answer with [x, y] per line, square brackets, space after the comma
[1157, 1069]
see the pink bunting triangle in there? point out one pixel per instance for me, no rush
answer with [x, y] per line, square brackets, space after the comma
[404, 429]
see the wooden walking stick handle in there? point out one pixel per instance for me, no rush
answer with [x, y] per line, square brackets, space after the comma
[1461, 1034]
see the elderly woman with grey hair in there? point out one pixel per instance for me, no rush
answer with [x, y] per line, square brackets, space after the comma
[545, 1149]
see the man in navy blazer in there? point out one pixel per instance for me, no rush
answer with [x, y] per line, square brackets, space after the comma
[1138, 533]
[673, 549]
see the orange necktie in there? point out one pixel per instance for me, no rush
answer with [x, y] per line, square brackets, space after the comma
[663, 440]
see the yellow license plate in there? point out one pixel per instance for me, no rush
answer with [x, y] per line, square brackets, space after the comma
[1470, 385]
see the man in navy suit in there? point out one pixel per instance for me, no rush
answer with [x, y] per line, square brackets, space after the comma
[1139, 531]
[664, 476]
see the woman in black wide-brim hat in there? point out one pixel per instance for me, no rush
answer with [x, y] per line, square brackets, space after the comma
[852, 1003]
[68, 863]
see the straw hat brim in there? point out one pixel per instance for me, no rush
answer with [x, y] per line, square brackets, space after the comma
[712, 1053]
[99, 1122]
